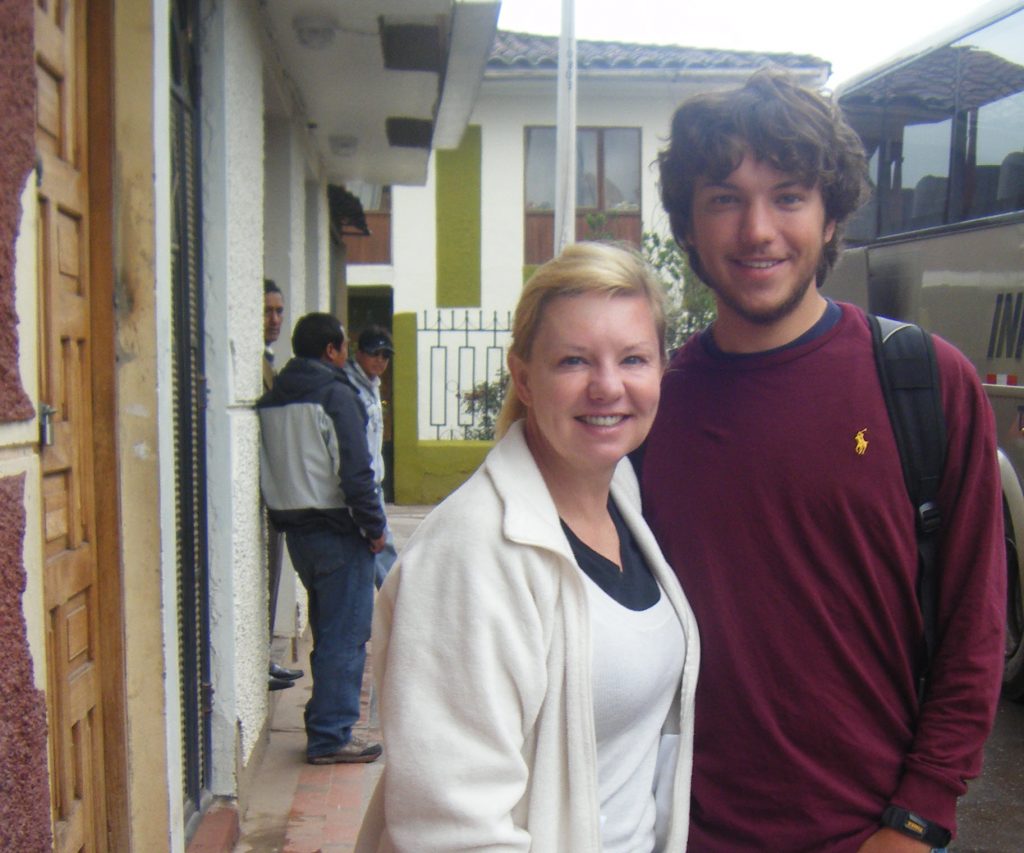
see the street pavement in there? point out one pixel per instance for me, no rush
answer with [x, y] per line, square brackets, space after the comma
[991, 815]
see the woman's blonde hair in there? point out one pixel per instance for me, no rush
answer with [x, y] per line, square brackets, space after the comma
[581, 268]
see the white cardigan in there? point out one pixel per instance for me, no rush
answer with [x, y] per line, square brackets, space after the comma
[482, 662]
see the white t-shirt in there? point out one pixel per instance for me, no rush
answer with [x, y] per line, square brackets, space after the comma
[636, 668]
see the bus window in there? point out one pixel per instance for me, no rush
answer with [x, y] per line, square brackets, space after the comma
[945, 133]
[999, 131]
[862, 226]
[926, 173]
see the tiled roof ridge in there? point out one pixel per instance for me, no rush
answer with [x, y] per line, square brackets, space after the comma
[530, 51]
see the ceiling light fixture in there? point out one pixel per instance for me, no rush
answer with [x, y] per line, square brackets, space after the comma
[342, 144]
[315, 30]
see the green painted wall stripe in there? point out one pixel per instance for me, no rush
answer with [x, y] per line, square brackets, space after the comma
[403, 333]
[457, 201]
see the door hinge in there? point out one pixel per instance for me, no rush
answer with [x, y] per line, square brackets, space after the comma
[46, 413]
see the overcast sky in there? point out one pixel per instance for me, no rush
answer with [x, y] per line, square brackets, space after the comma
[853, 36]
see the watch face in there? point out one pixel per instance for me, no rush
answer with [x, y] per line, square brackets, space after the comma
[913, 825]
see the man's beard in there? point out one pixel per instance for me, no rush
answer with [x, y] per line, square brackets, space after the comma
[765, 318]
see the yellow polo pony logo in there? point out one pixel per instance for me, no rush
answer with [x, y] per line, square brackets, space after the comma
[862, 443]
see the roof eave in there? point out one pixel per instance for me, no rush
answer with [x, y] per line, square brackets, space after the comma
[474, 25]
[818, 73]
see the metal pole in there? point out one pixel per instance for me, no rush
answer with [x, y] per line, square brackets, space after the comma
[565, 133]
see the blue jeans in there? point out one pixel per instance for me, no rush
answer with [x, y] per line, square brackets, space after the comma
[383, 561]
[337, 571]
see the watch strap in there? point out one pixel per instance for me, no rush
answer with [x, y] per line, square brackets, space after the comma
[915, 826]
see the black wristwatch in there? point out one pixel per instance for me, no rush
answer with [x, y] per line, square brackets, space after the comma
[905, 821]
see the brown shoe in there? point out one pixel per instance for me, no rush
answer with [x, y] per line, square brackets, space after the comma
[356, 751]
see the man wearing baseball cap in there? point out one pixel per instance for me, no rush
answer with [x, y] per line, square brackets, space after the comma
[364, 371]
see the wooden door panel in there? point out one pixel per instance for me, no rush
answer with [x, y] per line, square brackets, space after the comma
[59, 41]
[68, 576]
[79, 646]
[70, 573]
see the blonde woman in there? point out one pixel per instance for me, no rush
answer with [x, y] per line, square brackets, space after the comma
[536, 658]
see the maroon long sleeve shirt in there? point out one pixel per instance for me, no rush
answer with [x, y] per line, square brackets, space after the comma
[798, 555]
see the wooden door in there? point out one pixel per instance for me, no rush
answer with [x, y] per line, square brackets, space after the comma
[69, 521]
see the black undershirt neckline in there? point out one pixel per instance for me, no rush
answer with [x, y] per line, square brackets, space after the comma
[634, 587]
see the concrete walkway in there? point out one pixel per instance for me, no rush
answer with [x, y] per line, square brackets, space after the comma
[294, 807]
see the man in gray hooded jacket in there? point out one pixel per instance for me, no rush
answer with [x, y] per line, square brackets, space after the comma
[318, 484]
[371, 361]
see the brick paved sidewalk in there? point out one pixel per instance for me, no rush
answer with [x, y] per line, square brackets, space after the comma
[329, 800]
[295, 807]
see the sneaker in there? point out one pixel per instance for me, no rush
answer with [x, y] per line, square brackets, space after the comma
[356, 751]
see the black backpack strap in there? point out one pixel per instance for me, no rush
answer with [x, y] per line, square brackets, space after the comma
[909, 374]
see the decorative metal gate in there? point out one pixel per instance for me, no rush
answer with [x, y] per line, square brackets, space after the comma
[462, 352]
[189, 408]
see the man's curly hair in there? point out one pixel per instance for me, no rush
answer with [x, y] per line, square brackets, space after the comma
[790, 127]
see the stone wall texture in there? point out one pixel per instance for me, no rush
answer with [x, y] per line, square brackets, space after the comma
[24, 781]
[17, 153]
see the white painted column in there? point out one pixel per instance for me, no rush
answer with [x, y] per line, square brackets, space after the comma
[232, 134]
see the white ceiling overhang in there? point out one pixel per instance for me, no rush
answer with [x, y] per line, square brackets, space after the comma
[377, 83]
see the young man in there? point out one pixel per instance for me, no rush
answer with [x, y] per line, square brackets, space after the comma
[279, 677]
[372, 358]
[273, 317]
[794, 542]
[318, 485]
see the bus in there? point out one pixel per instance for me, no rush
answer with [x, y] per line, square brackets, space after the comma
[941, 241]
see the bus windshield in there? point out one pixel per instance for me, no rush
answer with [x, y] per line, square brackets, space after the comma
[944, 132]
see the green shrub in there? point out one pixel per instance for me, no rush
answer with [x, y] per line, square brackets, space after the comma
[690, 305]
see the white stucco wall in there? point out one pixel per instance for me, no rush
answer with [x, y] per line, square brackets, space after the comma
[413, 244]
[233, 266]
[250, 594]
[316, 246]
[285, 211]
[371, 274]
[297, 296]
[19, 454]
[277, 215]
[501, 121]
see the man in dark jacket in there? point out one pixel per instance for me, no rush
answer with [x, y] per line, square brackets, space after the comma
[318, 484]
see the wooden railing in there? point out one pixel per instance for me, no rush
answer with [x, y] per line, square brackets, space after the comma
[540, 232]
[375, 249]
